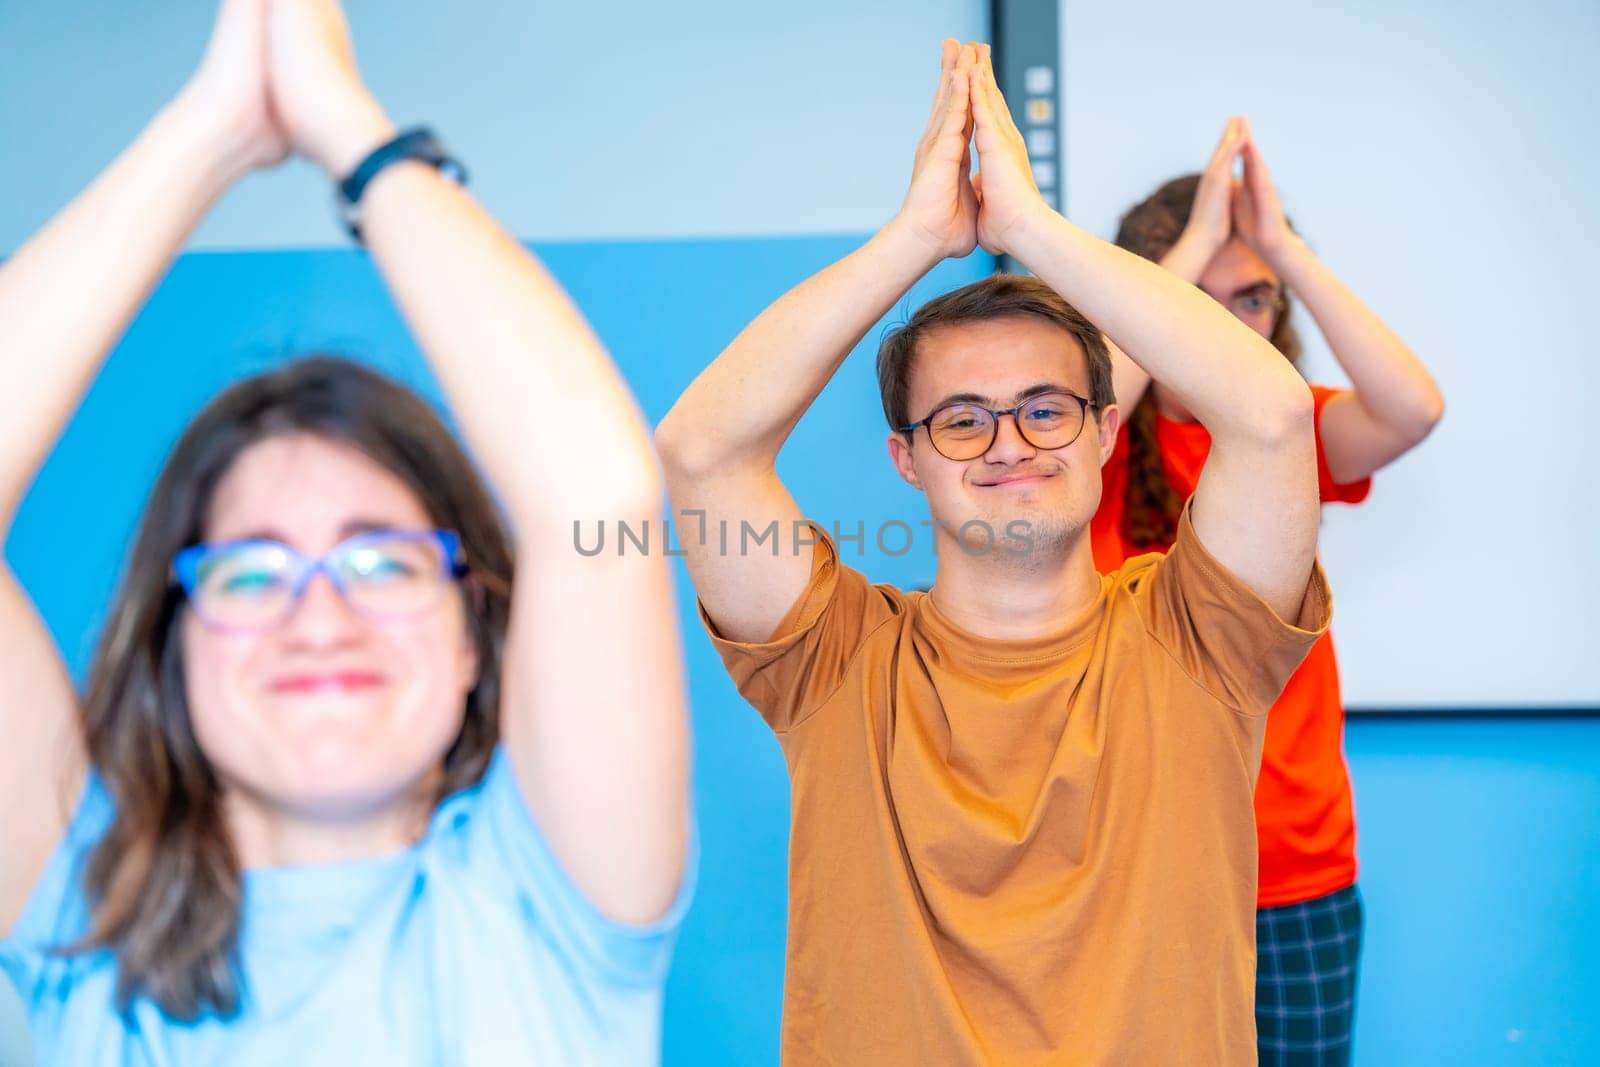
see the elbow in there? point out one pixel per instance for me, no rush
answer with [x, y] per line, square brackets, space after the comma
[1290, 413]
[691, 451]
[616, 489]
[1427, 414]
[683, 454]
[1411, 421]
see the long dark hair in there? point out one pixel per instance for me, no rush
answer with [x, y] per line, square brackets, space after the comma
[1151, 506]
[164, 883]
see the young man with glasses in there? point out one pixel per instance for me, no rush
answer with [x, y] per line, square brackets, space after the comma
[1021, 802]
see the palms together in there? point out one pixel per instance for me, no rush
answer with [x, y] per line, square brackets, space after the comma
[1225, 205]
[949, 207]
[942, 205]
[230, 87]
[1007, 195]
[1257, 213]
[279, 76]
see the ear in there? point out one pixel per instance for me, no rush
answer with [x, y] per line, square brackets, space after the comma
[1110, 423]
[900, 454]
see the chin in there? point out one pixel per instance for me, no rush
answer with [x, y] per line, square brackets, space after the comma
[340, 766]
[1049, 534]
[350, 791]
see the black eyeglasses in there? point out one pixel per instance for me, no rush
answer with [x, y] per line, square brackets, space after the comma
[963, 431]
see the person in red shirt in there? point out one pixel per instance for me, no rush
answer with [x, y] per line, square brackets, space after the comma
[1229, 236]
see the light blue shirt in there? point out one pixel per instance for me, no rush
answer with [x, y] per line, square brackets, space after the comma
[471, 947]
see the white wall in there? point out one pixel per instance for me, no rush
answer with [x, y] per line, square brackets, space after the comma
[1440, 158]
[1437, 157]
[583, 121]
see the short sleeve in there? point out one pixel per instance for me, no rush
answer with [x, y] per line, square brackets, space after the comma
[57, 912]
[1332, 492]
[1219, 630]
[789, 677]
[503, 841]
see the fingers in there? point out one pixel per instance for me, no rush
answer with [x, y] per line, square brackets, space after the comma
[949, 50]
[958, 114]
[1242, 206]
[1234, 135]
[1252, 171]
[941, 103]
[951, 95]
[237, 26]
[990, 112]
[997, 100]
[982, 102]
[1255, 168]
[952, 123]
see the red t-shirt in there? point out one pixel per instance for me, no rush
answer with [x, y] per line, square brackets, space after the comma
[1305, 819]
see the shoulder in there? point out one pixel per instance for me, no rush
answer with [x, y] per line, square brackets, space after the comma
[486, 844]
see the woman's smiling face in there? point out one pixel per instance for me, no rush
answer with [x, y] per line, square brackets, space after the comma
[332, 714]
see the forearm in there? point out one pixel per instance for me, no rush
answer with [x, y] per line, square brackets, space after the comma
[67, 296]
[1229, 377]
[746, 403]
[538, 398]
[1187, 259]
[1389, 381]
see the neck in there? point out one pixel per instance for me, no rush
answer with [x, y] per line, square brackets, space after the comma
[266, 834]
[1013, 597]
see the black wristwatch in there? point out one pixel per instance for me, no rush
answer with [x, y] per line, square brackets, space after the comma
[417, 143]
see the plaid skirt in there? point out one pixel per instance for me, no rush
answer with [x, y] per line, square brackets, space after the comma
[1307, 961]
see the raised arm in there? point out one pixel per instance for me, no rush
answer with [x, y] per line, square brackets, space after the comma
[65, 299]
[1394, 402]
[720, 442]
[1255, 507]
[1208, 229]
[594, 711]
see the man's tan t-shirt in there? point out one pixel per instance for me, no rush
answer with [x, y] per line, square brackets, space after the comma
[1023, 852]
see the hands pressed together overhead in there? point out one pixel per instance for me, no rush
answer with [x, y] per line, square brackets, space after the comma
[1225, 205]
[280, 77]
[948, 207]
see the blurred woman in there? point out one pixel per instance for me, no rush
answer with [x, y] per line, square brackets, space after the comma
[341, 786]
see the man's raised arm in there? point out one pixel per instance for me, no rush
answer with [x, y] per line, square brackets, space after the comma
[1255, 507]
[719, 444]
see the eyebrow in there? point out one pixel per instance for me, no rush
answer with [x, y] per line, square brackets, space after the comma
[349, 529]
[1253, 287]
[990, 402]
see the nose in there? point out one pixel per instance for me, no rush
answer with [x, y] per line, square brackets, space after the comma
[1008, 446]
[322, 616]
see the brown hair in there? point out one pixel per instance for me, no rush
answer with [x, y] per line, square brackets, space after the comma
[164, 883]
[997, 296]
[1151, 506]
